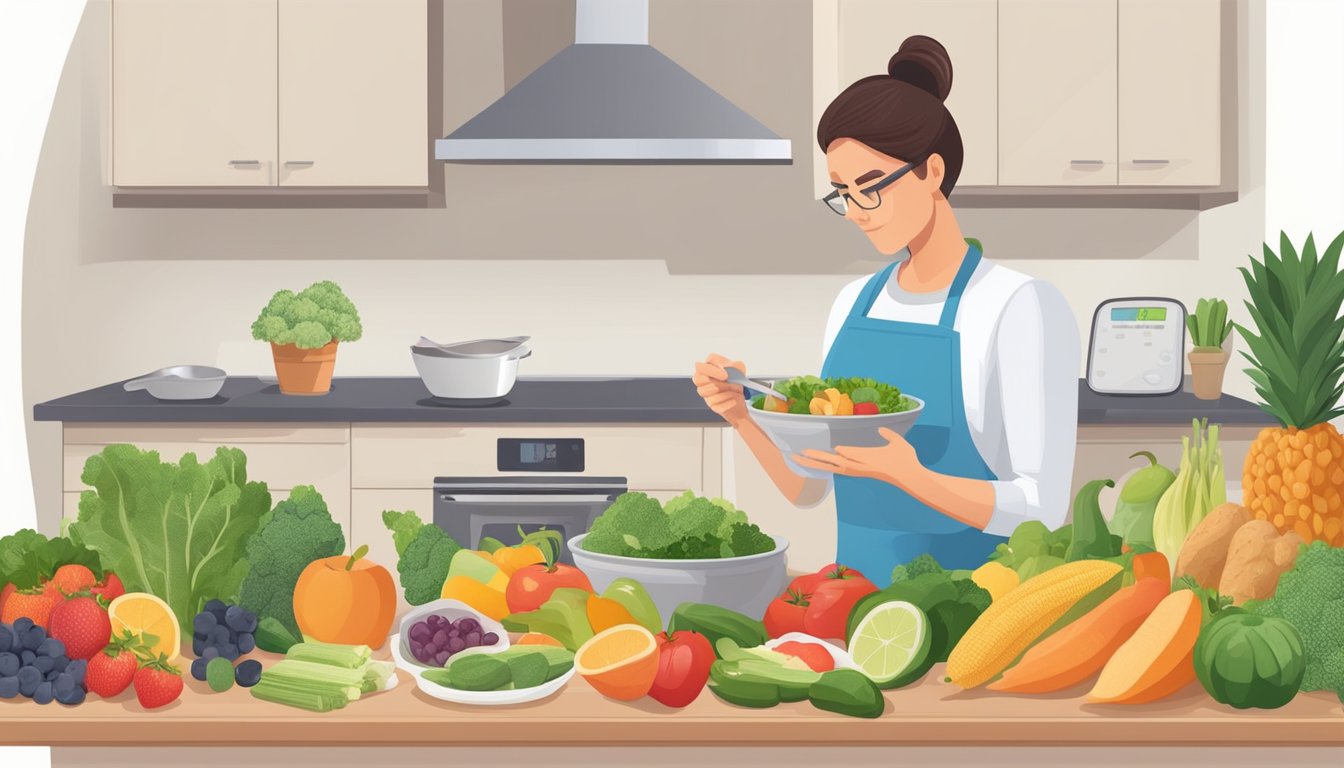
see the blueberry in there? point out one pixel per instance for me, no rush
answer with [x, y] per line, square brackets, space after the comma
[76, 669]
[218, 608]
[229, 651]
[198, 668]
[75, 696]
[29, 678]
[220, 636]
[249, 622]
[209, 653]
[27, 657]
[43, 694]
[204, 623]
[247, 673]
[6, 638]
[51, 648]
[9, 665]
[44, 664]
[33, 638]
[63, 685]
[60, 663]
[51, 676]
[246, 643]
[21, 626]
[236, 618]
[9, 687]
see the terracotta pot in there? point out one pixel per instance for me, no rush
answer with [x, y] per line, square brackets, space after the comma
[304, 371]
[1206, 372]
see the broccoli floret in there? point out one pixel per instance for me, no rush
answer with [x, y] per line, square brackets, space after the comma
[748, 539]
[918, 567]
[691, 515]
[309, 319]
[423, 565]
[634, 523]
[1310, 596]
[689, 548]
[972, 594]
[298, 531]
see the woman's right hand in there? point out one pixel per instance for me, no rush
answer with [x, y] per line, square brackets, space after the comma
[711, 383]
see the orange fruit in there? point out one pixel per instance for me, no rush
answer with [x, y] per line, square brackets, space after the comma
[537, 638]
[143, 613]
[619, 662]
[605, 613]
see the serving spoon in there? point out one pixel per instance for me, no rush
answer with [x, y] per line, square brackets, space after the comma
[736, 376]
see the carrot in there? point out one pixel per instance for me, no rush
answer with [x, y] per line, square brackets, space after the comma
[1081, 649]
[1158, 659]
[1152, 564]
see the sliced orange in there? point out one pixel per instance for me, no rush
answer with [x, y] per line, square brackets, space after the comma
[537, 638]
[145, 614]
[619, 662]
[605, 613]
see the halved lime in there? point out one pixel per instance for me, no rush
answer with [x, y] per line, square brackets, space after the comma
[891, 644]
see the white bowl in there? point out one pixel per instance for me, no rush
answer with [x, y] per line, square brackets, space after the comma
[466, 378]
[451, 610]
[743, 584]
[478, 698]
[796, 432]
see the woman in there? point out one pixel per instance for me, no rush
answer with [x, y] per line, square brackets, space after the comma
[992, 352]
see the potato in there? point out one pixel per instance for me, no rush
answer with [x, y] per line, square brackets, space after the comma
[1256, 558]
[1204, 552]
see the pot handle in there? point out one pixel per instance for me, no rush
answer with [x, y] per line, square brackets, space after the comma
[526, 352]
[135, 385]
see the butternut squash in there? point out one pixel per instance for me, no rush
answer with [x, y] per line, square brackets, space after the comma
[1081, 649]
[1158, 659]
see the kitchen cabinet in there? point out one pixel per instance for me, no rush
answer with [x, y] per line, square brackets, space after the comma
[1057, 92]
[270, 93]
[1169, 92]
[870, 31]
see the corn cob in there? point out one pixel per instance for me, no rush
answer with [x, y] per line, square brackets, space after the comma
[1015, 620]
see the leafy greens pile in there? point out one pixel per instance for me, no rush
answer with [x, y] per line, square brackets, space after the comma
[177, 531]
[801, 389]
[689, 527]
[28, 559]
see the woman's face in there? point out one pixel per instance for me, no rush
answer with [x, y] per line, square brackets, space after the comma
[905, 207]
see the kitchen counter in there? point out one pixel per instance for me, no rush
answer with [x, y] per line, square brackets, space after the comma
[669, 400]
[928, 713]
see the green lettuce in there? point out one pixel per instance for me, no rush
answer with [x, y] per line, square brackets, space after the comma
[177, 531]
[28, 559]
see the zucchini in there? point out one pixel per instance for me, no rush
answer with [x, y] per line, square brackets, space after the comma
[734, 689]
[715, 622]
[847, 692]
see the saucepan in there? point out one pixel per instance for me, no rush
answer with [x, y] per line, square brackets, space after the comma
[470, 370]
[180, 382]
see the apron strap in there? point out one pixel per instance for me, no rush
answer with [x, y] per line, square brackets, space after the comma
[870, 291]
[968, 264]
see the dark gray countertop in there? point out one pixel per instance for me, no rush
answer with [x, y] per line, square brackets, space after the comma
[670, 400]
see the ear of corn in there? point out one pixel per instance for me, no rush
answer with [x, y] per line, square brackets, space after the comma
[1022, 615]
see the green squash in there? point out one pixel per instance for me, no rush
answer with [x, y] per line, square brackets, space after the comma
[1133, 518]
[1248, 660]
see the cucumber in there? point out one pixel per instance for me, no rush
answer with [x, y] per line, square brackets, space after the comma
[274, 637]
[528, 670]
[847, 692]
[734, 689]
[793, 684]
[715, 622]
[475, 673]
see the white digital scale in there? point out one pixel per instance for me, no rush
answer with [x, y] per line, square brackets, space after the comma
[1137, 347]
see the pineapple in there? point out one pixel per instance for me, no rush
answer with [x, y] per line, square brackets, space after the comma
[1294, 474]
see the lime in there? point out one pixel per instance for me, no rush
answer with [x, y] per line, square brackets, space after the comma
[891, 644]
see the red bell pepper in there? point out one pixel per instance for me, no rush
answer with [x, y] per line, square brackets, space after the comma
[785, 613]
[683, 667]
[832, 599]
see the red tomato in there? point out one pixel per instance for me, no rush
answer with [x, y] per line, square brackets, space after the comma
[683, 667]
[807, 582]
[865, 409]
[532, 585]
[818, 659]
[785, 613]
[831, 602]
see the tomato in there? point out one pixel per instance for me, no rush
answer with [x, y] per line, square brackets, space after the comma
[832, 599]
[865, 409]
[532, 585]
[683, 667]
[817, 659]
[110, 589]
[785, 613]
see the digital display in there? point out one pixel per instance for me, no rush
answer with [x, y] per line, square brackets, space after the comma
[1138, 314]
[536, 453]
[529, 454]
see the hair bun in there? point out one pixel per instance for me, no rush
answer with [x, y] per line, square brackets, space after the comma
[923, 62]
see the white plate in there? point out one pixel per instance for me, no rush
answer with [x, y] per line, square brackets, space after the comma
[839, 655]
[479, 698]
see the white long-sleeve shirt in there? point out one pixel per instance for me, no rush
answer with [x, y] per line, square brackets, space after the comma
[1019, 378]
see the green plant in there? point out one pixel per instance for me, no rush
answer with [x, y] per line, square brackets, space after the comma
[1209, 326]
[424, 553]
[309, 319]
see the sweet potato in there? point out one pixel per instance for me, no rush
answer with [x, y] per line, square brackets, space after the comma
[1204, 552]
[1158, 659]
[1256, 558]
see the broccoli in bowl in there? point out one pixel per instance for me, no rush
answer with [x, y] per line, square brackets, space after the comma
[835, 396]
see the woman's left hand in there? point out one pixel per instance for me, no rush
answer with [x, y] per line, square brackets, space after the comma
[893, 463]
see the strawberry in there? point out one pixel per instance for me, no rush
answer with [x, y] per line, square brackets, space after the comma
[4, 595]
[157, 683]
[72, 578]
[111, 671]
[80, 623]
[110, 589]
[36, 605]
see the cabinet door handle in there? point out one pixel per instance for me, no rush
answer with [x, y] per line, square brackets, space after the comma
[1150, 162]
[1087, 162]
[298, 163]
[244, 162]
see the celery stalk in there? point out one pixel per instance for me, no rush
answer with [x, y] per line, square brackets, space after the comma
[294, 694]
[318, 675]
[348, 656]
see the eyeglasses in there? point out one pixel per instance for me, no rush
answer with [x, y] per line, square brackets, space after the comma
[867, 198]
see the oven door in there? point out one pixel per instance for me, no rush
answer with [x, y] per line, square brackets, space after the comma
[506, 508]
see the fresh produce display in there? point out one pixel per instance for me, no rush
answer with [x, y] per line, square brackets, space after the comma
[892, 644]
[1198, 489]
[1247, 660]
[435, 639]
[810, 395]
[36, 667]
[82, 626]
[157, 683]
[345, 600]
[715, 622]
[297, 532]
[1294, 475]
[1158, 659]
[1133, 517]
[512, 669]
[424, 553]
[177, 531]
[1310, 596]
[686, 528]
[321, 677]
[36, 572]
[620, 663]
[684, 659]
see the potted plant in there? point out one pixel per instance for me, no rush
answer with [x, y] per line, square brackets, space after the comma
[1209, 332]
[303, 329]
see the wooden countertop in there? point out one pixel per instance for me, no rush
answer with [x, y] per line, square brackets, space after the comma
[928, 713]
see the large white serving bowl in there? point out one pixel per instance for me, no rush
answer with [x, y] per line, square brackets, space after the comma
[743, 584]
[796, 432]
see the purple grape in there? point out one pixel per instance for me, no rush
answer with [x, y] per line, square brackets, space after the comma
[417, 650]
[489, 638]
[456, 644]
[455, 633]
[421, 632]
[440, 638]
[441, 658]
[469, 625]
[473, 639]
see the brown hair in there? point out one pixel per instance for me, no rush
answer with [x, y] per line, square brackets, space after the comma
[901, 113]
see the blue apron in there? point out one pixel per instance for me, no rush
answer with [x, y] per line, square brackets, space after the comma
[880, 525]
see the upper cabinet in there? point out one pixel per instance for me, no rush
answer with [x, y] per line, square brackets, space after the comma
[266, 93]
[1059, 95]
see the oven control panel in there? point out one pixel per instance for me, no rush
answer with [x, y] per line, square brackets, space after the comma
[522, 454]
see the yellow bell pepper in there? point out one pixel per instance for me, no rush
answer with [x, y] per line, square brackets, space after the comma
[481, 597]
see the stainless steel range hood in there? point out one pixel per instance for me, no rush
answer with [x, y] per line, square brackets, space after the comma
[611, 97]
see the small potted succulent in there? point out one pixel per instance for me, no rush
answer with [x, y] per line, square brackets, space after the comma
[1209, 331]
[303, 329]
